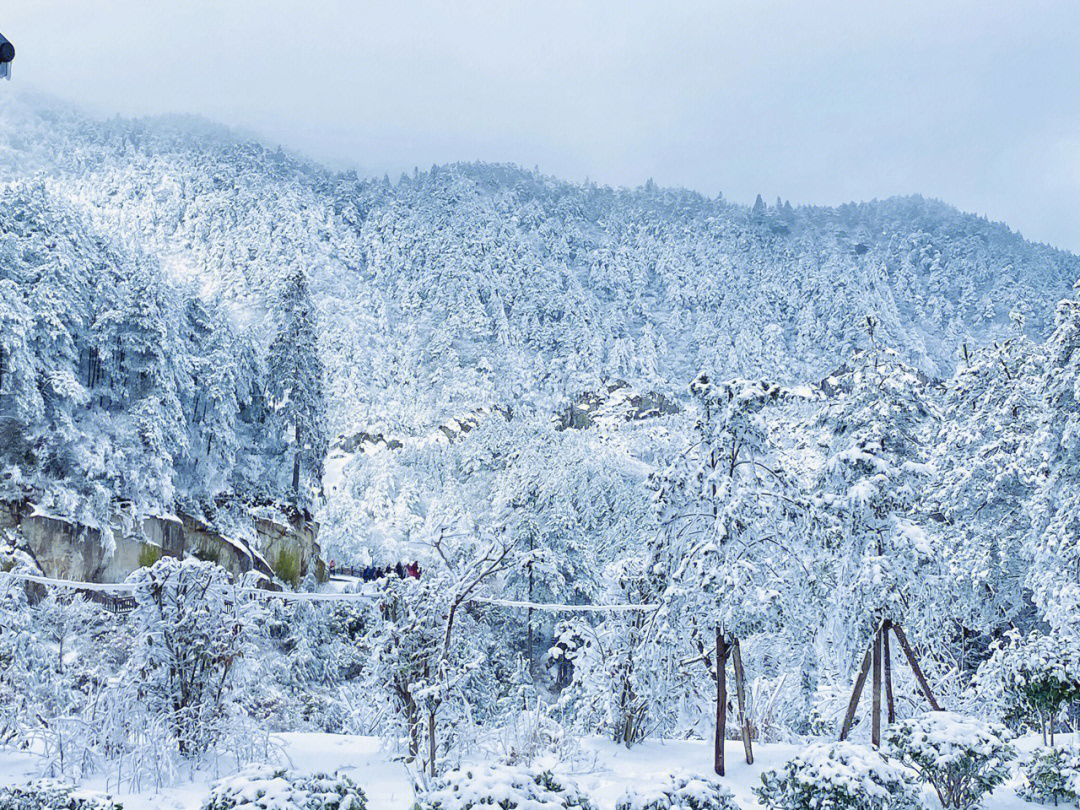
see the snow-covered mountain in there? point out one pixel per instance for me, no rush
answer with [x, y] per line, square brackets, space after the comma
[472, 287]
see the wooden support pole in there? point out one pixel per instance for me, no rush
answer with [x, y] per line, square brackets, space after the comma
[887, 660]
[740, 692]
[914, 663]
[721, 702]
[849, 718]
[875, 711]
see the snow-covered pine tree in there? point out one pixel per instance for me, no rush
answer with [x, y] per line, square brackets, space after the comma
[139, 387]
[210, 401]
[983, 478]
[22, 407]
[296, 394]
[1055, 510]
[873, 484]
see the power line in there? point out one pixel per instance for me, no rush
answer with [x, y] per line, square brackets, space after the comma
[557, 608]
[127, 589]
[98, 587]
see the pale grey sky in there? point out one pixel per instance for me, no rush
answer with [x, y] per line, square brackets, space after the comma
[977, 103]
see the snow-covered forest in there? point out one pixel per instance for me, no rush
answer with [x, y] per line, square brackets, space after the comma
[661, 467]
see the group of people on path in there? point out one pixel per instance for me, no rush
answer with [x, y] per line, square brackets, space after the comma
[370, 573]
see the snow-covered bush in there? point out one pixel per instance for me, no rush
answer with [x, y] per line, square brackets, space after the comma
[193, 630]
[506, 786]
[1034, 677]
[525, 735]
[962, 758]
[680, 793]
[1051, 776]
[314, 650]
[839, 776]
[261, 787]
[17, 652]
[47, 794]
[618, 683]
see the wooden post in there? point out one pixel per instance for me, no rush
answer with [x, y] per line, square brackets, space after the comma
[740, 692]
[875, 711]
[849, 718]
[887, 659]
[721, 702]
[913, 662]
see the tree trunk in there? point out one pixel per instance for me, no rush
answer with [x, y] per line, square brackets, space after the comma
[530, 611]
[296, 462]
[914, 663]
[740, 693]
[721, 702]
[856, 693]
[887, 660]
[875, 719]
[414, 734]
[431, 742]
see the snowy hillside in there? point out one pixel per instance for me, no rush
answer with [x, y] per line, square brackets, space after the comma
[482, 285]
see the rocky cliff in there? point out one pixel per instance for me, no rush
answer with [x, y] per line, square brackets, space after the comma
[67, 550]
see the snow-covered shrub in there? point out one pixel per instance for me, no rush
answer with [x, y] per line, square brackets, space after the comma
[47, 794]
[839, 776]
[192, 630]
[1034, 677]
[680, 793]
[1051, 776]
[78, 648]
[261, 787]
[524, 735]
[618, 683]
[962, 758]
[506, 786]
[313, 651]
[17, 653]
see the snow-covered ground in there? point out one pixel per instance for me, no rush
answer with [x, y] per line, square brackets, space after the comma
[602, 769]
[645, 765]
[386, 783]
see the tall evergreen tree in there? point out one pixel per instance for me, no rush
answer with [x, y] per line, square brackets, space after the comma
[1055, 509]
[984, 477]
[296, 384]
[873, 486]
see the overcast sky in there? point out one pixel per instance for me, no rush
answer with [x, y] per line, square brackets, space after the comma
[977, 103]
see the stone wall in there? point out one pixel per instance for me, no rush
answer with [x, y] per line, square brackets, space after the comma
[67, 550]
